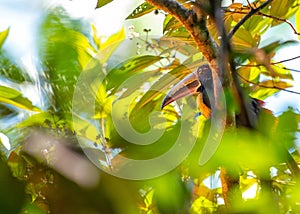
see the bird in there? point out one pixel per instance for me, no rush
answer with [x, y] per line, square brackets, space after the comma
[198, 83]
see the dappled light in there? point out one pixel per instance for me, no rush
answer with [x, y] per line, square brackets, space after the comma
[135, 122]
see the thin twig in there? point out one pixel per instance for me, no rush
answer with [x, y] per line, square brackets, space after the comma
[281, 20]
[268, 16]
[246, 17]
[287, 60]
[275, 64]
[266, 86]
[195, 23]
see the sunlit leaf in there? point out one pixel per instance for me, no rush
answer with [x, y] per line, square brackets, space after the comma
[277, 69]
[235, 12]
[65, 50]
[3, 36]
[101, 3]
[111, 44]
[170, 24]
[243, 40]
[283, 9]
[298, 22]
[246, 182]
[43, 119]
[154, 94]
[129, 67]
[141, 10]
[203, 205]
[249, 73]
[257, 25]
[11, 70]
[15, 98]
[268, 88]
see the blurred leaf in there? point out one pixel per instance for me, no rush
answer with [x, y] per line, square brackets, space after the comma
[287, 128]
[43, 119]
[283, 9]
[272, 47]
[298, 22]
[5, 111]
[170, 203]
[101, 3]
[3, 36]
[64, 51]
[141, 10]
[263, 93]
[15, 98]
[246, 182]
[10, 70]
[12, 194]
[111, 44]
[203, 205]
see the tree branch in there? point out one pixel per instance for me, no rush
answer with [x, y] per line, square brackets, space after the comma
[247, 16]
[194, 21]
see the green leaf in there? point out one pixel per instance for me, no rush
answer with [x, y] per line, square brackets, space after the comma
[15, 98]
[43, 119]
[287, 128]
[280, 8]
[11, 70]
[279, 71]
[48, 119]
[170, 24]
[65, 50]
[250, 73]
[141, 10]
[3, 36]
[12, 195]
[101, 3]
[128, 68]
[243, 40]
[274, 46]
[257, 25]
[268, 88]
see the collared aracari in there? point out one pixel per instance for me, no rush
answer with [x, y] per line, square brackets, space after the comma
[200, 83]
[193, 84]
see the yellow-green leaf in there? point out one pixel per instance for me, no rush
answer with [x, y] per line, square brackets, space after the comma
[141, 10]
[101, 3]
[298, 22]
[111, 44]
[15, 98]
[3, 36]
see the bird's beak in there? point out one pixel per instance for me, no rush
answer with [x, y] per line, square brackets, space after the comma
[188, 86]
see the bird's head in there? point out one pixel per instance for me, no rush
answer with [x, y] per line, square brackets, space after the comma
[195, 83]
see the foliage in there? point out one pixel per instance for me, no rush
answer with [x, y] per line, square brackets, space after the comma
[69, 50]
